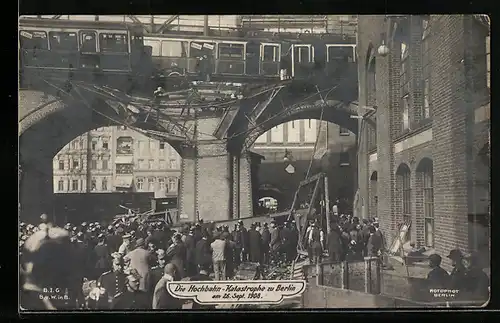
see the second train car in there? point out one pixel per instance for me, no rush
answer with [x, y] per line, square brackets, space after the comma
[249, 57]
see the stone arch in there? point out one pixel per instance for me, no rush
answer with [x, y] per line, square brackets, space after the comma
[403, 195]
[335, 112]
[373, 194]
[424, 199]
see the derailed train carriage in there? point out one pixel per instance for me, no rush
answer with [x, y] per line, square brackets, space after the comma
[98, 51]
[256, 56]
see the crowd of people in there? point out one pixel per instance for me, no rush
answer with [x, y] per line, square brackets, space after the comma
[126, 264]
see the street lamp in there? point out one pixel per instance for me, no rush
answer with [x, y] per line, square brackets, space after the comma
[383, 50]
[288, 156]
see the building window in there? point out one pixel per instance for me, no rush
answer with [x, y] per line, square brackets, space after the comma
[140, 163]
[152, 147]
[406, 112]
[163, 164]
[104, 184]
[161, 182]
[344, 158]
[140, 184]
[428, 195]
[309, 124]
[344, 131]
[74, 185]
[124, 145]
[404, 83]
[293, 124]
[151, 164]
[60, 186]
[75, 144]
[94, 145]
[173, 164]
[426, 73]
[403, 176]
[151, 184]
[105, 145]
[172, 184]
[105, 164]
[93, 185]
[76, 163]
[162, 145]
[93, 164]
[61, 165]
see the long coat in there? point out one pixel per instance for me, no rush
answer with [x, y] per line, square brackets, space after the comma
[334, 245]
[266, 239]
[203, 253]
[140, 260]
[176, 254]
[255, 245]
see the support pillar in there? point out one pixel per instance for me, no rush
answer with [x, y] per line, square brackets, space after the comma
[36, 189]
[214, 182]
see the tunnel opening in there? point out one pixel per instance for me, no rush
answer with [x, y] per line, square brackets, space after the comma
[299, 148]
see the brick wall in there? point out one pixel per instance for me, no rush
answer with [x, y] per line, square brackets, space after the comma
[457, 80]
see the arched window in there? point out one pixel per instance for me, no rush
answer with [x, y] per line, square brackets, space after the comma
[373, 195]
[425, 173]
[404, 189]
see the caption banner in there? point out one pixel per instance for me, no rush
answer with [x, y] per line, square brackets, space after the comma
[266, 292]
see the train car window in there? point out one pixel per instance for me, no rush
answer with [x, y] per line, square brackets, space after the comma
[115, 43]
[172, 48]
[341, 53]
[137, 41]
[88, 41]
[199, 49]
[271, 53]
[63, 41]
[231, 51]
[33, 40]
[302, 54]
[155, 46]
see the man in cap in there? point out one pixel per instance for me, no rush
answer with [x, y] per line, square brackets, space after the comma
[140, 260]
[219, 257]
[203, 253]
[266, 239]
[113, 240]
[458, 274]
[161, 297]
[244, 241]
[157, 271]
[254, 244]
[478, 282]
[102, 258]
[437, 277]
[276, 242]
[316, 243]
[132, 298]
[176, 254]
[190, 244]
[45, 277]
[125, 247]
[114, 281]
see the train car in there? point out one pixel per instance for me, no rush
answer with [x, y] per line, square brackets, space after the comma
[258, 57]
[74, 47]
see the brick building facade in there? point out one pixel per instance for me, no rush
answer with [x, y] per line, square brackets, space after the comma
[424, 149]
